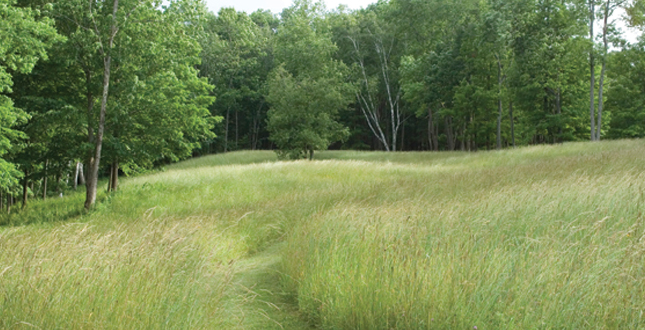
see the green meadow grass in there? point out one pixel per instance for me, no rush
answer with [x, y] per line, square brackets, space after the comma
[546, 237]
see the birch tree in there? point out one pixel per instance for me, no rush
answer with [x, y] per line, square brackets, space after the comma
[375, 56]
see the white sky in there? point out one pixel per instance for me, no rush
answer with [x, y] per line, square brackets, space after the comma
[276, 6]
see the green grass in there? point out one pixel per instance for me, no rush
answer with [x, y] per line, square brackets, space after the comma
[547, 237]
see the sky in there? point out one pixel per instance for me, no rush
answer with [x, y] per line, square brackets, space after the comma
[276, 6]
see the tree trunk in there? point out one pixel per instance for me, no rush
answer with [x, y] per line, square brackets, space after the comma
[9, 203]
[402, 138]
[432, 136]
[114, 184]
[81, 177]
[228, 111]
[94, 166]
[1, 200]
[463, 138]
[499, 124]
[237, 138]
[499, 103]
[366, 101]
[592, 112]
[25, 190]
[558, 109]
[602, 71]
[449, 134]
[58, 190]
[311, 154]
[256, 128]
[76, 172]
[109, 186]
[90, 129]
[107, 62]
[510, 110]
[45, 180]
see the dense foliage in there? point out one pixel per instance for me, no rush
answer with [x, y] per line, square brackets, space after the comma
[108, 87]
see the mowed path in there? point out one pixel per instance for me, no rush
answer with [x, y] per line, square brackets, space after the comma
[256, 300]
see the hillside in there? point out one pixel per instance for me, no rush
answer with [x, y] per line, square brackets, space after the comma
[546, 237]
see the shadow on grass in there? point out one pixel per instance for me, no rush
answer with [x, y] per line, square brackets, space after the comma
[51, 210]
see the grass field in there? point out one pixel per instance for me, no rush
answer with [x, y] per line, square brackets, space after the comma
[547, 237]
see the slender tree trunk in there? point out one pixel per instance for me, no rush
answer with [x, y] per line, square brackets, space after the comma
[510, 110]
[499, 122]
[254, 135]
[558, 109]
[449, 134]
[109, 186]
[90, 106]
[499, 102]
[592, 112]
[114, 182]
[58, 190]
[256, 128]
[228, 111]
[602, 71]
[1, 200]
[599, 125]
[463, 137]
[107, 62]
[432, 137]
[366, 101]
[90, 125]
[402, 138]
[236, 130]
[76, 172]
[25, 190]
[436, 136]
[45, 187]
[81, 177]
[9, 203]
[45, 180]
[430, 130]
[93, 174]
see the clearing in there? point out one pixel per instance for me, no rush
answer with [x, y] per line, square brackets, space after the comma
[545, 237]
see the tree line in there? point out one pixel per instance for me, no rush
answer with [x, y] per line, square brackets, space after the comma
[92, 88]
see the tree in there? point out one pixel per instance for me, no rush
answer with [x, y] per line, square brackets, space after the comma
[237, 59]
[307, 90]
[435, 67]
[302, 114]
[608, 8]
[142, 58]
[626, 97]
[375, 56]
[25, 37]
[160, 106]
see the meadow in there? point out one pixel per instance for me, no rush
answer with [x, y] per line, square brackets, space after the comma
[544, 237]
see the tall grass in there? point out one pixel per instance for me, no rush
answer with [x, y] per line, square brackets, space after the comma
[504, 243]
[541, 237]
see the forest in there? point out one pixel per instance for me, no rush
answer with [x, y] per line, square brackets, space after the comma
[91, 90]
